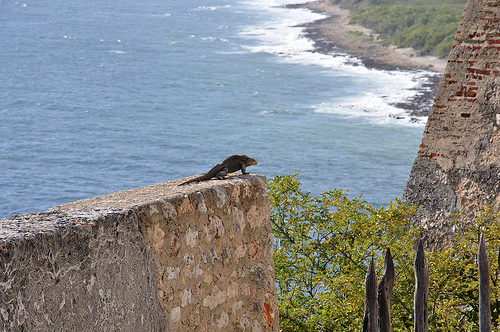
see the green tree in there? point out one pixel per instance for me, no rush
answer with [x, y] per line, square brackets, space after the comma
[425, 25]
[453, 287]
[324, 246]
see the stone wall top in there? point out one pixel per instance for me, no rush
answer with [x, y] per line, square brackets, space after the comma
[79, 213]
[159, 258]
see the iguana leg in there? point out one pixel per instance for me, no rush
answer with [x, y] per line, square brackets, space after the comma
[243, 169]
[222, 173]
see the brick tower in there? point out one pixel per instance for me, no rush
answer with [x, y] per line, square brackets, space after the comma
[457, 168]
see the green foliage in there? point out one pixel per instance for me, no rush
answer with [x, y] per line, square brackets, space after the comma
[425, 25]
[355, 33]
[324, 246]
[453, 289]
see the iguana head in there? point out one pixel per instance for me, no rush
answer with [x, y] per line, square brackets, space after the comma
[249, 161]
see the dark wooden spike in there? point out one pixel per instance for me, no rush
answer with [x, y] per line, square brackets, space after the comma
[385, 294]
[421, 295]
[484, 287]
[371, 311]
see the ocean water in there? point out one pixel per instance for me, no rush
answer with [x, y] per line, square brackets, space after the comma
[98, 96]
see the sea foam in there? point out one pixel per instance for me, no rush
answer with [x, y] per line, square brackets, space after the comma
[283, 35]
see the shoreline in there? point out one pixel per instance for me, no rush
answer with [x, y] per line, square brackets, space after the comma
[335, 33]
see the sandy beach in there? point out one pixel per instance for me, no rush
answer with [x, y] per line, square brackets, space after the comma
[336, 32]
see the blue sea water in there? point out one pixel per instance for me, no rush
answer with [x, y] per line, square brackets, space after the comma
[99, 96]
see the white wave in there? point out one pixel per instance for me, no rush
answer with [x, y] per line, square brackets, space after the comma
[212, 8]
[283, 36]
[211, 39]
[230, 52]
[369, 106]
[160, 15]
[273, 112]
[383, 90]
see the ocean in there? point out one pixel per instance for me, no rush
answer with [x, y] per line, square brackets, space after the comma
[99, 96]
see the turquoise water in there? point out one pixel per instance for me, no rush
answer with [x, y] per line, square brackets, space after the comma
[97, 97]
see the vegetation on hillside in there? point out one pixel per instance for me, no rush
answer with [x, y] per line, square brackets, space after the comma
[323, 248]
[425, 25]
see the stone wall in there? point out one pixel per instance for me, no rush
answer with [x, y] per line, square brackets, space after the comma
[159, 258]
[457, 167]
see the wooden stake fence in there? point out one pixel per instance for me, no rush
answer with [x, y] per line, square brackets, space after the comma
[377, 316]
[421, 296]
[484, 288]
[371, 308]
[385, 293]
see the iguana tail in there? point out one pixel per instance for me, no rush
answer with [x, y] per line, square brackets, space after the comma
[211, 173]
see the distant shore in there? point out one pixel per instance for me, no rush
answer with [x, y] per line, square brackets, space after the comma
[335, 32]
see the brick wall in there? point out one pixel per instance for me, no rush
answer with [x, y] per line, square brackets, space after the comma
[457, 167]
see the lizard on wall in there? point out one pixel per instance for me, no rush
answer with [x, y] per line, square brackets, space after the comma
[230, 165]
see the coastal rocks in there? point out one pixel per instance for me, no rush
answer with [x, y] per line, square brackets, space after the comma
[163, 257]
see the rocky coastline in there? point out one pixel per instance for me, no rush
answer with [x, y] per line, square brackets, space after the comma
[335, 34]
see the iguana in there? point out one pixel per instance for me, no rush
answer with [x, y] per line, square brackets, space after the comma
[229, 165]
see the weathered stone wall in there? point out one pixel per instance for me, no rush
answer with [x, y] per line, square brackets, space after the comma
[457, 167]
[160, 258]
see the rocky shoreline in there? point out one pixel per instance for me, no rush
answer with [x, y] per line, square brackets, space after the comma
[335, 34]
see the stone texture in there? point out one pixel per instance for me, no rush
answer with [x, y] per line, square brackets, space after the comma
[86, 270]
[457, 167]
[160, 258]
